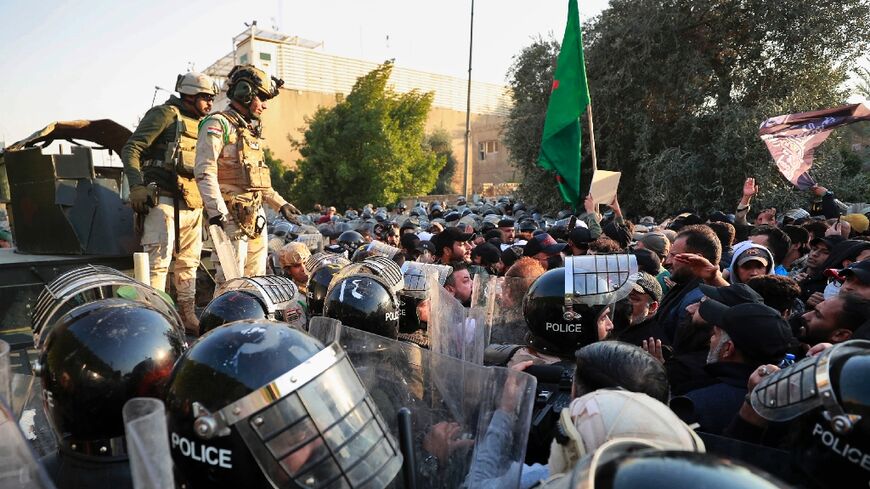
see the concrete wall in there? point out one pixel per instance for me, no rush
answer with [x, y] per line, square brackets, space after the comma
[285, 117]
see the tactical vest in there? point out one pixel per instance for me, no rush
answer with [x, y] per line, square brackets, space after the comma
[252, 173]
[176, 159]
[181, 153]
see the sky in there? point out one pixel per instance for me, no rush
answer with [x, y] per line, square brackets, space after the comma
[91, 59]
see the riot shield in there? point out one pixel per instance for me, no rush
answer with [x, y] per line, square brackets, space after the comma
[455, 331]
[18, 466]
[380, 248]
[148, 443]
[506, 323]
[87, 284]
[470, 422]
[5, 374]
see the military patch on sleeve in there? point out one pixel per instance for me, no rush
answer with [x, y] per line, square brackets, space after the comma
[214, 131]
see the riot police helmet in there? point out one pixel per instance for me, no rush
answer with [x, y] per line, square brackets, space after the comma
[828, 398]
[350, 241]
[563, 307]
[232, 305]
[364, 296]
[321, 268]
[259, 404]
[628, 463]
[98, 356]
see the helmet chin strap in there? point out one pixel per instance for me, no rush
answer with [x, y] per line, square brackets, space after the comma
[244, 110]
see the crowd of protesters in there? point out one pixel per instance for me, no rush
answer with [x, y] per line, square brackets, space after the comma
[721, 300]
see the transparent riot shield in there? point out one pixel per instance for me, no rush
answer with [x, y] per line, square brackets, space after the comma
[455, 331]
[90, 283]
[381, 249]
[506, 323]
[148, 443]
[470, 422]
[5, 373]
[19, 468]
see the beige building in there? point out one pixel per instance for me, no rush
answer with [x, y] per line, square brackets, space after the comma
[314, 79]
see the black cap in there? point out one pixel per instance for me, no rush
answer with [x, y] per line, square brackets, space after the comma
[527, 226]
[425, 246]
[732, 295]
[488, 253]
[648, 261]
[506, 223]
[830, 241]
[580, 236]
[543, 243]
[449, 236]
[758, 331]
[409, 241]
[861, 271]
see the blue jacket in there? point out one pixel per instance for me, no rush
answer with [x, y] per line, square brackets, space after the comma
[714, 406]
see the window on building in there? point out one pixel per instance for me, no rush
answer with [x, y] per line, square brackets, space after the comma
[265, 57]
[243, 59]
[487, 148]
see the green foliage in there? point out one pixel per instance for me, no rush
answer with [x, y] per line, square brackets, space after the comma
[530, 79]
[371, 147]
[679, 88]
[282, 179]
[439, 142]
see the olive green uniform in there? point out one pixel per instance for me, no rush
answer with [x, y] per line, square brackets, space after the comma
[234, 182]
[165, 133]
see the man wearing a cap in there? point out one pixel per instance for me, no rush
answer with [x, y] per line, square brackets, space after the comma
[644, 300]
[506, 226]
[292, 259]
[813, 279]
[659, 244]
[452, 245]
[686, 366]
[856, 278]
[750, 260]
[579, 239]
[546, 250]
[745, 337]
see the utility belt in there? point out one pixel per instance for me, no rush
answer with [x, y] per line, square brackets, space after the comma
[245, 210]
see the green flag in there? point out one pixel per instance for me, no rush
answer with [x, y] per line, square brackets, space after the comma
[560, 146]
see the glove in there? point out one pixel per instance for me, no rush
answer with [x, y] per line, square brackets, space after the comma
[139, 199]
[218, 220]
[289, 212]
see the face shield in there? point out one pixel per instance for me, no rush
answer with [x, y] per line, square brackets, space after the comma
[313, 426]
[441, 391]
[598, 279]
[313, 241]
[91, 283]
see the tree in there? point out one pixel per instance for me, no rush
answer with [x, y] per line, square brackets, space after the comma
[282, 179]
[370, 148]
[440, 143]
[530, 79]
[679, 88]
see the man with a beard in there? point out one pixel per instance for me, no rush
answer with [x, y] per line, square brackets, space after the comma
[644, 301]
[745, 337]
[834, 320]
[686, 365]
[459, 283]
[452, 245]
[693, 259]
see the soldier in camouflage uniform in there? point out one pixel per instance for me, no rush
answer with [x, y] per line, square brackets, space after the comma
[158, 162]
[231, 169]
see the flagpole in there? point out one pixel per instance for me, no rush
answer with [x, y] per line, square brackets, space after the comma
[592, 143]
